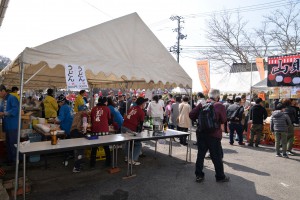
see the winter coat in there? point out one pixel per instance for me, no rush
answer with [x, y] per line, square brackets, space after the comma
[184, 120]
[279, 121]
[51, 107]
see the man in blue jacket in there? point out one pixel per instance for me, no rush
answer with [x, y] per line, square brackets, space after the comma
[9, 111]
[65, 117]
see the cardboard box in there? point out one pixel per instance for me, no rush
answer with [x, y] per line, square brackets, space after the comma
[25, 124]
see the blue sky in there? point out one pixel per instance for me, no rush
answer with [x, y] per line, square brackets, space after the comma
[33, 22]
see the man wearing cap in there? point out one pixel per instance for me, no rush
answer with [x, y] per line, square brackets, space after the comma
[64, 117]
[9, 111]
[134, 122]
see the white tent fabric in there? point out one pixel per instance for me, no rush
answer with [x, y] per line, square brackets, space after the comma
[123, 50]
[234, 82]
[261, 86]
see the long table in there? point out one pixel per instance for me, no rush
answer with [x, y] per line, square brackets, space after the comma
[45, 147]
[145, 136]
[66, 145]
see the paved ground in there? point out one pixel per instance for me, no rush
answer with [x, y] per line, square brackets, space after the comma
[255, 174]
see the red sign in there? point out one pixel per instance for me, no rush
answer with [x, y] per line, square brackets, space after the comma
[284, 70]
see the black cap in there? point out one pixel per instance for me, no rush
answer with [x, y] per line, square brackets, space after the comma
[141, 100]
[61, 98]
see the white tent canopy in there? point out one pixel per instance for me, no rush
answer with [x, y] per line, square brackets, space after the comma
[123, 50]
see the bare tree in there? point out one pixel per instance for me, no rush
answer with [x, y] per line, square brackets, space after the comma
[229, 44]
[284, 28]
[4, 61]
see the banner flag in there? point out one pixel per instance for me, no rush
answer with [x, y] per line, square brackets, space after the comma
[260, 67]
[75, 77]
[204, 76]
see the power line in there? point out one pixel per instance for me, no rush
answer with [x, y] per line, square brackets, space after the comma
[255, 7]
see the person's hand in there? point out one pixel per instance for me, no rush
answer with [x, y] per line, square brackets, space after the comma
[1, 114]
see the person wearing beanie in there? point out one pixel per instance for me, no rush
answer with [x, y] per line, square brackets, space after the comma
[279, 125]
[64, 117]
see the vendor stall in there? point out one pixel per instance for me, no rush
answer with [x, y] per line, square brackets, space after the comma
[119, 53]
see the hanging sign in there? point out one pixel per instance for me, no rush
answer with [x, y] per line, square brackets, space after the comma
[75, 77]
[284, 70]
[203, 72]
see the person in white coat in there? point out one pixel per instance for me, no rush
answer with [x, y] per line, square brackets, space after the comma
[155, 110]
[184, 121]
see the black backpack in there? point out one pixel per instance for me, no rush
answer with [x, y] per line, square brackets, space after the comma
[207, 122]
[231, 116]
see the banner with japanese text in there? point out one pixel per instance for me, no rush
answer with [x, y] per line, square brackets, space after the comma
[284, 70]
[203, 72]
[260, 67]
[75, 77]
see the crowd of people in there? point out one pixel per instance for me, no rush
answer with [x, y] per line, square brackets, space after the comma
[128, 112]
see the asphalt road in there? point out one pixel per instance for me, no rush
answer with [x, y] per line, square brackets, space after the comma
[255, 173]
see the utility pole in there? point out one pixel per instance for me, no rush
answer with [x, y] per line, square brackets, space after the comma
[176, 48]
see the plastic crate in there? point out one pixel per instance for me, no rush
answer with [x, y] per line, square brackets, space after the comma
[100, 154]
[34, 137]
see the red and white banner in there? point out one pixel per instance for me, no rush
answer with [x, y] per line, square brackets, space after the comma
[204, 76]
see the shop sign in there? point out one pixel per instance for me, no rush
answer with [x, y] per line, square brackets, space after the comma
[284, 70]
[75, 77]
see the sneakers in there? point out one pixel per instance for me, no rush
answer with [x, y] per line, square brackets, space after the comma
[256, 145]
[241, 143]
[285, 156]
[76, 170]
[290, 153]
[224, 180]
[278, 155]
[231, 143]
[136, 163]
[199, 179]
[250, 145]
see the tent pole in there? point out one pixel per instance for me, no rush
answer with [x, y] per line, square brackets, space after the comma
[251, 82]
[92, 101]
[190, 136]
[19, 127]
[35, 74]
